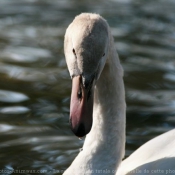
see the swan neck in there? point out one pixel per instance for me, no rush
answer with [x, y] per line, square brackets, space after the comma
[106, 139]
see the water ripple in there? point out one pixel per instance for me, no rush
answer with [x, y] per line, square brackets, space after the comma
[12, 97]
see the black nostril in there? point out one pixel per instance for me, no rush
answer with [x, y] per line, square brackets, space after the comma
[80, 93]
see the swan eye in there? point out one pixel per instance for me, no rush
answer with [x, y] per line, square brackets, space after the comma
[73, 50]
[103, 54]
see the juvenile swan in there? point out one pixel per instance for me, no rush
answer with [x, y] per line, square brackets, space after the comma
[97, 105]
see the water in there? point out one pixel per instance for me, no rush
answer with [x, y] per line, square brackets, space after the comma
[35, 85]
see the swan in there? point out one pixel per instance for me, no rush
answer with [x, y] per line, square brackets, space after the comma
[97, 106]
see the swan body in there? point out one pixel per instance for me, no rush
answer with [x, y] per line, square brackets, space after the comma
[97, 107]
[157, 156]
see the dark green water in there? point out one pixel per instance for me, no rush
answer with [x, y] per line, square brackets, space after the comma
[35, 84]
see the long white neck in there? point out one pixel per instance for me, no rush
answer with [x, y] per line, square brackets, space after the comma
[104, 145]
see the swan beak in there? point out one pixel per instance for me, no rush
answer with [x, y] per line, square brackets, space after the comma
[81, 108]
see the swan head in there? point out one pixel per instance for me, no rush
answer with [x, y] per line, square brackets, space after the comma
[85, 48]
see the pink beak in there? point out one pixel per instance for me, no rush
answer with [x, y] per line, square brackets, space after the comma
[81, 108]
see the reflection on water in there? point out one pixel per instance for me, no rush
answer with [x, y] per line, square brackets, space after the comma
[35, 85]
